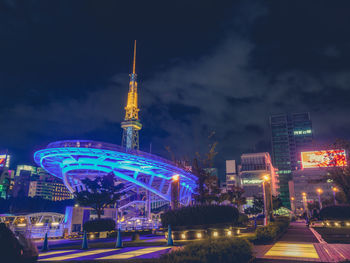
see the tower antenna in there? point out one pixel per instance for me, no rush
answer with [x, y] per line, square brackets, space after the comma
[134, 63]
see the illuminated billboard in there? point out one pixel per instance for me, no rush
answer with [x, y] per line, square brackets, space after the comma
[327, 158]
[2, 160]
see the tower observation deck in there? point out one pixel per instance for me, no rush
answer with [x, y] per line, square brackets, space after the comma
[74, 160]
[131, 124]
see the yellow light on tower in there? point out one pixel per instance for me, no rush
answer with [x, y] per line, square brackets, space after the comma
[319, 190]
[335, 189]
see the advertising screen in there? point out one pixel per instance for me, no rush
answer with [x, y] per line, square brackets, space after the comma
[2, 160]
[327, 158]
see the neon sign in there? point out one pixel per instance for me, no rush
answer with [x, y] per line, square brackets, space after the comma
[327, 158]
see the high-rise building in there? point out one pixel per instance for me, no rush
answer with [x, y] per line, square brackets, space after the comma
[254, 166]
[290, 134]
[6, 176]
[24, 175]
[34, 181]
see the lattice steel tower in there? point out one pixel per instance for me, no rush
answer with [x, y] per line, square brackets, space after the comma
[131, 124]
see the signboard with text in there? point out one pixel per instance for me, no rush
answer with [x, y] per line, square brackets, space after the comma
[326, 158]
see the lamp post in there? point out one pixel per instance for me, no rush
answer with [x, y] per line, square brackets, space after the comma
[266, 208]
[305, 204]
[175, 192]
[335, 190]
[319, 192]
[292, 204]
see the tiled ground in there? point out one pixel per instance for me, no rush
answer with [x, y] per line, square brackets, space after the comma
[123, 253]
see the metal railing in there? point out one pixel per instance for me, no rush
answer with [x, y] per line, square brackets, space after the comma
[114, 147]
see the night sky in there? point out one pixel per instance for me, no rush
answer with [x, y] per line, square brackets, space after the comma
[202, 66]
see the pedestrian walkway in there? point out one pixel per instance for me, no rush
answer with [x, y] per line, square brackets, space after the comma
[92, 254]
[299, 244]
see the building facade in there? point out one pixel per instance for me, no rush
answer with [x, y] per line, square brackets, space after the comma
[231, 174]
[253, 167]
[308, 181]
[290, 134]
[24, 175]
[312, 183]
[36, 182]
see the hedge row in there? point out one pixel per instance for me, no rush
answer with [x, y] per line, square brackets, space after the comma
[209, 251]
[98, 225]
[272, 231]
[339, 212]
[200, 215]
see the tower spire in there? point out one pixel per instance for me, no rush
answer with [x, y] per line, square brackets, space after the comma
[134, 63]
[131, 124]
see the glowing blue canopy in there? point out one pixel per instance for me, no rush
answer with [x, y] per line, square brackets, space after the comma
[74, 160]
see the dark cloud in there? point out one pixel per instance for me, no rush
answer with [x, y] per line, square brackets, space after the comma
[225, 70]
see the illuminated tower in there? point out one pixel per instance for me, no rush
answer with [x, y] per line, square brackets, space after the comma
[131, 124]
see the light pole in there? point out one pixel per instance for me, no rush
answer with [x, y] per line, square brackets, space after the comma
[305, 204]
[266, 209]
[292, 204]
[319, 192]
[175, 192]
[335, 190]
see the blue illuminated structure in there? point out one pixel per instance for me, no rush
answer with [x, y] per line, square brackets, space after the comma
[74, 160]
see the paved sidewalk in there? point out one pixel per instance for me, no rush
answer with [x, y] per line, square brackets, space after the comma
[103, 254]
[299, 244]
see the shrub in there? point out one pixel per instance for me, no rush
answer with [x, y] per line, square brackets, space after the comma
[242, 219]
[200, 215]
[208, 251]
[98, 225]
[266, 234]
[271, 232]
[337, 212]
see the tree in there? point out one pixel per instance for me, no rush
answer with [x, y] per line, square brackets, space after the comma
[257, 207]
[234, 195]
[99, 193]
[276, 202]
[207, 190]
[339, 174]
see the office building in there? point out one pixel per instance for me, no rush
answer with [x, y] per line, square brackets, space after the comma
[290, 134]
[313, 177]
[36, 182]
[231, 173]
[6, 182]
[24, 175]
[253, 167]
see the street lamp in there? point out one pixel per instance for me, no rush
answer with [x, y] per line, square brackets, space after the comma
[305, 204]
[335, 190]
[175, 192]
[292, 203]
[265, 178]
[319, 192]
